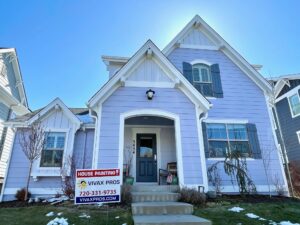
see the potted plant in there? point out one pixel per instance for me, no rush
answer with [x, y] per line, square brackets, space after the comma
[127, 167]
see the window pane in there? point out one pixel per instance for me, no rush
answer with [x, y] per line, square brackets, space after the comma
[196, 76]
[46, 159]
[50, 140]
[240, 146]
[237, 132]
[60, 142]
[204, 75]
[57, 158]
[295, 104]
[216, 131]
[218, 148]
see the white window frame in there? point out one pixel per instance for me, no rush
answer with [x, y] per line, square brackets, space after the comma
[62, 149]
[290, 105]
[199, 65]
[298, 135]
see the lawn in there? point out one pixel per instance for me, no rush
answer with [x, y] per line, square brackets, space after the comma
[277, 211]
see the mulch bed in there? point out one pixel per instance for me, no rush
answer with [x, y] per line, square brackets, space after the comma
[18, 204]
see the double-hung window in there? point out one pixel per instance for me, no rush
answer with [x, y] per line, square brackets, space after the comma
[202, 79]
[52, 153]
[294, 102]
[226, 138]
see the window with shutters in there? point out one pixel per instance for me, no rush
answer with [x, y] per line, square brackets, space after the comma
[225, 138]
[52, 154]
[294, 103]
[202, 79]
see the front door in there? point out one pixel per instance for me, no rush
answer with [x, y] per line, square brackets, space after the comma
[146, 161]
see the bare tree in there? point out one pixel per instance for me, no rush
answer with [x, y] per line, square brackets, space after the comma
[32, 141]
[267, 152]
[68, 173]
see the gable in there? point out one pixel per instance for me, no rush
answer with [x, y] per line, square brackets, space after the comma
[149, 71]
[196, 38]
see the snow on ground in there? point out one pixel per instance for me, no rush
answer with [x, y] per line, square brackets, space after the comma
[253, 216]
[117, 217]
[62, 198]
[236, 209]
[84, 215]
[50, 214]
[288, 223]
[58, 221]
[59, 214]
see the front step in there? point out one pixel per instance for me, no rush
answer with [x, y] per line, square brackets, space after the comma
[155, 197]
[161, 208]
[170, 219]
[154, 188]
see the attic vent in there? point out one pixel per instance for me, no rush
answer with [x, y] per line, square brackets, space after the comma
[149, 53]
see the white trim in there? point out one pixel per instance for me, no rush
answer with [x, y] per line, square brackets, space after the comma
[34, 191]
[191, 92]
[153, 112]
[8, 165]
[203, 47]
[202, 150]
[155, 131]
[288, 94]
[224, 47]
[227, 121]
[201, 61]
[298, 135]
[290, 106]
[148, 126]
[97, 138]
[270, 112]
[149, 84]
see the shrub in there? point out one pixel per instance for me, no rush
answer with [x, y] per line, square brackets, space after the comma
[20, 195]
[126, 197]
[192, 196]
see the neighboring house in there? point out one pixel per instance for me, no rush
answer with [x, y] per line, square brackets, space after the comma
[206, 101]
[12, 102]
[287, 102]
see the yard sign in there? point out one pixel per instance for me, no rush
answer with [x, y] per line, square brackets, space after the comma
[96, 186]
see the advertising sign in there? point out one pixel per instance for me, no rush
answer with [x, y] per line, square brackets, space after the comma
[97, 186]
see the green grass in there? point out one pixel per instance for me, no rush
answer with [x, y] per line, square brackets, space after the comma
[218, 213]
[35, 215]
[281, 211]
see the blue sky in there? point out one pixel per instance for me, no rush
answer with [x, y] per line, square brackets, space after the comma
[60, 43]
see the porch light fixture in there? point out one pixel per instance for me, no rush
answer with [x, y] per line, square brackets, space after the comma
[150, 93]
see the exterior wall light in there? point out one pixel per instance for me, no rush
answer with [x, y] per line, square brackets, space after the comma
[150, 93]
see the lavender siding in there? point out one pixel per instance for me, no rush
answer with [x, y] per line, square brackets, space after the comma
[19, 166]
[172, 100]
[242, 100]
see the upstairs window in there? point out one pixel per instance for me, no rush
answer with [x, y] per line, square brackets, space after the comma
[201, 74]
[52, 154]
[294, 105]
[226, 138]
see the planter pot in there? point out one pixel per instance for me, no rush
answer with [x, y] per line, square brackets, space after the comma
[212, 194]
[129, 180]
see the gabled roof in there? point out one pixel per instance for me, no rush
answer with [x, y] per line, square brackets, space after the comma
[223, 46]
[116, 80]
[18, 75]
[281, 81]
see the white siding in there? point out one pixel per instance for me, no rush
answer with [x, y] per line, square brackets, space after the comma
[196, 37]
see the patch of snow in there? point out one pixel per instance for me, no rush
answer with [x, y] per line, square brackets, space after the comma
[236, 209]
[58, 221]
[124, 224]
[253, 216]
[84, 215]
[262, 219]
[62, 198]
[271, 222]
[50, 214]
[59, 214]
[288, 223]
[117, 217]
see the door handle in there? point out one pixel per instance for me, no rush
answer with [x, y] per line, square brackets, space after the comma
[154, 157]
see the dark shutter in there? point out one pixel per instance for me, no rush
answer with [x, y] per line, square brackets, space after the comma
[216, 81]
[253, 141]
[187, 71]
[205, 140]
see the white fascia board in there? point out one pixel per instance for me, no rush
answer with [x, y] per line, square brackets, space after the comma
[12, 102]
[7, 50]
[103, 92]
[50, 106]
[224, 47]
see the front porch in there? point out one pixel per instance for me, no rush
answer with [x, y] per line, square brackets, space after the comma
[149, 153]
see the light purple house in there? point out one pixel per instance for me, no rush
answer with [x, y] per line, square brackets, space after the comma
[189, 103]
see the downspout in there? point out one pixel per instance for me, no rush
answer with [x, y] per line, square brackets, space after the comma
[283, 148]
[93, 114]
[84, 147]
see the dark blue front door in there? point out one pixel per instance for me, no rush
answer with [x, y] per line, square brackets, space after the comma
[146, 162]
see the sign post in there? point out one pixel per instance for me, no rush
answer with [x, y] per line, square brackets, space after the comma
[97, 186]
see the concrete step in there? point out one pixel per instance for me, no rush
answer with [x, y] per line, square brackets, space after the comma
[170, 219]
[154, 188]
[155, 196]
[161, 208]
